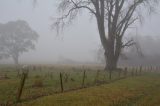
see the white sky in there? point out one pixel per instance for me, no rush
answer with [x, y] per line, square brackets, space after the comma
[77, 42]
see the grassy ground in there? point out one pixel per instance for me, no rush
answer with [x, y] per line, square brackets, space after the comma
[49, 77]
[140, 90]
[137, 91]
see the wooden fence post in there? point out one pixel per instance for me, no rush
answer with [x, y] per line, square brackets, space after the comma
[150, 69]
[132, 73]
[125, 72]
[61, 82]
[156, 68]
[97, 75]
[110, 74]
[119, 74]
[136, 72]
[83, 80]
[22, 82]
[18, 71]
[140, 70]
[144, 69]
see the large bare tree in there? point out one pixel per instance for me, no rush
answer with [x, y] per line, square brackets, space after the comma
[113, 18]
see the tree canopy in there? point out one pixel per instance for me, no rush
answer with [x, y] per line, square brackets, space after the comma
[16, 37]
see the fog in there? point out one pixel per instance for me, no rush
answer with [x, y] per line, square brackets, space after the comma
[148, 54]
[77, 43]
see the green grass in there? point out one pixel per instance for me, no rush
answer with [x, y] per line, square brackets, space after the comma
[125, 92]
[50, 78]
[137, 91]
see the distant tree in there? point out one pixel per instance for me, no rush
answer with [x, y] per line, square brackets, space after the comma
[113, 18]
[16, 37]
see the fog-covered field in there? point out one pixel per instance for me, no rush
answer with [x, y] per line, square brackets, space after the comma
[44, 80]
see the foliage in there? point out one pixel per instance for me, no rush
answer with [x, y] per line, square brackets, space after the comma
[16, 37]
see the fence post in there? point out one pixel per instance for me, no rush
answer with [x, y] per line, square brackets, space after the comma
[104, 77]
[110, 74]
[132, 73]
[97, 75]
[61, 82]
[140, 70]
[119, 73]
[18, 71]
[151, 69]
[156, 68]
[125, 72]
[148, 70]
[144, 69]
[135, 72]
[22, 82]
[83, 80]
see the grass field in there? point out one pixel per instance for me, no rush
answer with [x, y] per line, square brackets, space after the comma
[141, 90]
[137, 91]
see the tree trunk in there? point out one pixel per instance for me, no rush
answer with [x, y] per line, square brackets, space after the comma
[111, 54]
[108, 44]
[16, 60]
[111, 62]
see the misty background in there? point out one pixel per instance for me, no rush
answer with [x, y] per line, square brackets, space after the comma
[77, 43]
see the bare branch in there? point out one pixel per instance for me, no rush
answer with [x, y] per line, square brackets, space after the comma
[129, 43]
[70, 9]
